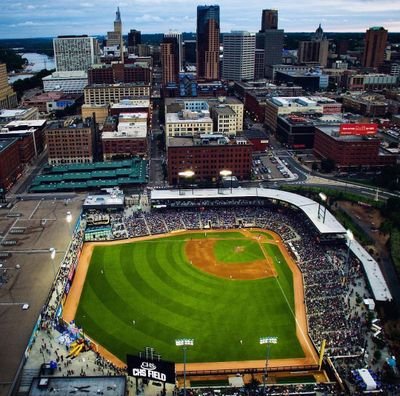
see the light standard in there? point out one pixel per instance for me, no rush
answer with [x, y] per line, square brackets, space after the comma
[53, 256]
[350, 237]
[184, 343]
[187, 174]
[268, 341]
[323, 199]
[226, 173]
[68, 218]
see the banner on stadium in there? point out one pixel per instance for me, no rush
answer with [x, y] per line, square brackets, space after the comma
[358, 129]
[159, 370]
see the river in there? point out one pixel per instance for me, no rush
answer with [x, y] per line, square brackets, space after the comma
[36, 62]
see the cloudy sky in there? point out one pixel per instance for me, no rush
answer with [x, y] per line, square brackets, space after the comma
[40, 18]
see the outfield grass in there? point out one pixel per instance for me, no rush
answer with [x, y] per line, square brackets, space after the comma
[152, 283]
[263, 233]
[237, 251]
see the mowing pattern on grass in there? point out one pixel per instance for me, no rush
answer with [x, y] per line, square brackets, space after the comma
[147, 294]
[237, 251]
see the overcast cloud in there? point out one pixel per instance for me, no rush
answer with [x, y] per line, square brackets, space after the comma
[40, 18]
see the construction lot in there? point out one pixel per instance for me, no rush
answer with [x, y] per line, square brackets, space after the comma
[28, 230]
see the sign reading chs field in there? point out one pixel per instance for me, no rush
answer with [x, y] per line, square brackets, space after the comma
[159, 370]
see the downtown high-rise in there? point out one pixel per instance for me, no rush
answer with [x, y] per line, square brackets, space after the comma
[238, 60]
[208, 31]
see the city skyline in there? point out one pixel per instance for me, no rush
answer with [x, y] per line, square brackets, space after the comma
[39, 18]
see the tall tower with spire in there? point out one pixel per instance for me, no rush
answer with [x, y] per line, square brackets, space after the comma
[114, 38]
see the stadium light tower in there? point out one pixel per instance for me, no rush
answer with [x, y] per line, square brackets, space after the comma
[226, 173]
[350, 237]
[187, 174]
[184, 343]
[268, 341]
[323, 199]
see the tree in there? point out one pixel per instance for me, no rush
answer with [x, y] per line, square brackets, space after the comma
[327, 165]
[13, 61]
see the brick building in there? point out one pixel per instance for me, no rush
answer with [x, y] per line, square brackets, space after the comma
[350, 151]
[10, 164]
[120, 73]
[207, 155]
[72, 141]
[30, 137]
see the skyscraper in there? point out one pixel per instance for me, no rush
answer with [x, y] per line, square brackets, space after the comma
[8, 98]
[75, 53]
[115, 37]
[375, 43]
[314, 51]
[170, 60]
[178, 36]
[269, 20]
[270, 39]
[134, 39]
[208, 42]
[238, 60]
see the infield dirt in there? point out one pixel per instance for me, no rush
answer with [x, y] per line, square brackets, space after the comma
[204, 258]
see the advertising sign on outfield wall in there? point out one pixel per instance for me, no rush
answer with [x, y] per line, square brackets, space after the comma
[358, 129]
[159, 370]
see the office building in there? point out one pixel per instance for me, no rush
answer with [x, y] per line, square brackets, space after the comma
[207, 155]
[371, 82]
[375, 44]
[129, 139]
[278, 106]
[269, 20]
[75, 53]
[71, 141]
[138, 72]
[115, 37]
[30, 135]
[208, 31]
[315, 51]
[239, 56]
[21, 114]
[189, 51]
[134, 39]
[270, 39]
[71, 82]
[170, 53]
[113, 93]
[191, 117]
[350, 151]
[311, 81]
[178, 37]
[10, 164]
[8, 98]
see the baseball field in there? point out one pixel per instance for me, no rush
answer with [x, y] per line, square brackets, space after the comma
[223, 289]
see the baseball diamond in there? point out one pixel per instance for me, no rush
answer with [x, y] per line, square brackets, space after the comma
[225, 289]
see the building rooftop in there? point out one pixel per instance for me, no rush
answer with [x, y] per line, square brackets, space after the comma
[6, 113]
[117, 85]
[216, 139]
[333, 131]
[66, 75]
[70, 123]
[128, 103]
[26, 124]
[196, 118]
[224, 110]
[5, 143]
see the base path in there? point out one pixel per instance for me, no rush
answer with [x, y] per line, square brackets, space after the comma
[259, 269]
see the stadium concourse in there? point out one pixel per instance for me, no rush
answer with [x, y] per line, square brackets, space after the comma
[317, 241]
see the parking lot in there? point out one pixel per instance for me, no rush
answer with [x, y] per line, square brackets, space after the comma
[269, 167]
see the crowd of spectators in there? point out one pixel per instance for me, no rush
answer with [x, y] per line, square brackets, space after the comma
[330, 276]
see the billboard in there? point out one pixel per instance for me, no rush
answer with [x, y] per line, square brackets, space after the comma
[358, 129]
[159, 370]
